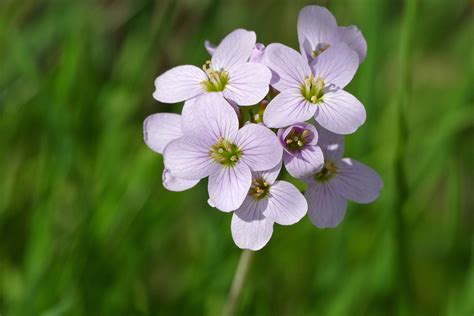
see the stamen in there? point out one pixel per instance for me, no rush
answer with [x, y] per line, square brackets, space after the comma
[313, 89]
[297, 138]
[259, 188]
[327, 173]
[225, 153]
[216, 79]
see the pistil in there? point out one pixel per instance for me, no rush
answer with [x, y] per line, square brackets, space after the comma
[313, 89]
[217, 79]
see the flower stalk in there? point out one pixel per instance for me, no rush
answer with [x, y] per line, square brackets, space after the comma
[238, 282]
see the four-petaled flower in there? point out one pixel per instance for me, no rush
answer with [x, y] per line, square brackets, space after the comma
[302, 155]
[268, 201]
[228, 74]
[215, 147]
[341, 179]
[318, 30]
[313, 90]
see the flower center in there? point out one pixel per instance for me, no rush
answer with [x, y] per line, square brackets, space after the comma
[319, 49]
[217, 79]
[327, 173]
[259, 188]
[225, 153]
[313, 89]
[297, 138]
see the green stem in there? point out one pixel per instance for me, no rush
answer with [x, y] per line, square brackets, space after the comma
[238, 283]
[402, 253]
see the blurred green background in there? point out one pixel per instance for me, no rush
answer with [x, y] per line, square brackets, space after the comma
[86, 227]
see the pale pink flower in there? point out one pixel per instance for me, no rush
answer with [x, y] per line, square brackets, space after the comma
[268, 201]
[215, 146]
[318, 30]
[314, 90]
[228, 74]
[341, 179]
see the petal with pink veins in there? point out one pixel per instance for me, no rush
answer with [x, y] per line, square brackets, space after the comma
[179, 84]
[340, 112]
[248, 83]
[260, 148]
[357, 182]
[250, 228]
[234, 49]
[305, 162]
[176, 184]
[288, 108]
[286, 204]
[326, 208]
[161, 128]
[288, 66]
[229, 186]
[336, 66]
[188, 158]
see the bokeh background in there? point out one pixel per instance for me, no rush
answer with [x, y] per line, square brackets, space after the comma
[86, 227]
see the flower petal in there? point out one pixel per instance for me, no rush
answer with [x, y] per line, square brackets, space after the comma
[248, 83]
[286, 204]
[337, 65]
[316, 25]
[235, 48]
[179, 84]
[268, 175]
[331, 144]
[161, 128]
[353, 37]
[210, 116]
[211, 48]
[260, 147]
[229, 186]
[357, 182]
[340, 112]
[176, 184]
[326, 208]
[188, 158]
[304, 163]
[288, 66]
[250, 229]
[288, 107]
[257, 53]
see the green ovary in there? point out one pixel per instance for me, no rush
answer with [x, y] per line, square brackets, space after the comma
[225, 153]
[313, 89]
[217, 79]
[327, 173]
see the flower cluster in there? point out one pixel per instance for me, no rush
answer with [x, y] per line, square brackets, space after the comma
[250, 110]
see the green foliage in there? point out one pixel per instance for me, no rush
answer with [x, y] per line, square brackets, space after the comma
[86, 227]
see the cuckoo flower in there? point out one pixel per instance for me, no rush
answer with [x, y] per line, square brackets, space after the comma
[318, 30]
[313, 90]
[255, 57]
[302, 156]
[341, 179]
[158, 130]
[267, 202]
[228, 74]
[215, 147]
